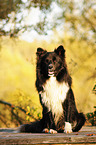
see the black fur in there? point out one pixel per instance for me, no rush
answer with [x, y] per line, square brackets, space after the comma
[54, 64]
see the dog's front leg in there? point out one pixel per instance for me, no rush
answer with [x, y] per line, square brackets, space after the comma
[68, 127]
[67, 114]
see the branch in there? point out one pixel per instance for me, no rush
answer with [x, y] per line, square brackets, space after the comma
[13, 107]
[3, 119]
[90, 23]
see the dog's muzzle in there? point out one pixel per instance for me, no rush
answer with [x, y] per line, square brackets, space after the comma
[50, 70]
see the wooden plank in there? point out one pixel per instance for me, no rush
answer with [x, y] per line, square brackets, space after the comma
[86, 135]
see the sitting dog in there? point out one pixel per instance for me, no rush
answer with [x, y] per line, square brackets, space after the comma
[53, 84]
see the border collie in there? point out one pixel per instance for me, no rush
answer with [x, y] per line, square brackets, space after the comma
[53, 84]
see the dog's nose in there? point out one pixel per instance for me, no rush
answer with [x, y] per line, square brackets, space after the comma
[50, 66]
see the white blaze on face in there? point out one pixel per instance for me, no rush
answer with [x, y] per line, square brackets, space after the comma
[54, 95]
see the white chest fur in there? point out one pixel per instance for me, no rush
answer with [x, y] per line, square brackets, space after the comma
[54, 95]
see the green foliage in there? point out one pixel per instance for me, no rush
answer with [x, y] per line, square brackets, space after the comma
[33, 110]
[94, 89]
[92, 117]
[11, 11]
[6, 7]
[80, 18]
[77, 18]
[22, 112]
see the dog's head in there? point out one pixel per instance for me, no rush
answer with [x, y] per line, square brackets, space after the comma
[51, 63]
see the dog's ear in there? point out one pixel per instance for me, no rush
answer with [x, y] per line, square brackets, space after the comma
[40, 52]
[60, 51]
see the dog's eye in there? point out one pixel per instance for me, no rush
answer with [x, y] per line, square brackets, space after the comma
[54, 59]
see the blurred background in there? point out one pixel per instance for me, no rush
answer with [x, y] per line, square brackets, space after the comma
[26, 25]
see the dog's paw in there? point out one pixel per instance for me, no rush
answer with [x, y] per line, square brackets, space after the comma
[52, 131]
[68, 127]
[45, 130]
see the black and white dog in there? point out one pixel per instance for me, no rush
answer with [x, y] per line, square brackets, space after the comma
[56, 96]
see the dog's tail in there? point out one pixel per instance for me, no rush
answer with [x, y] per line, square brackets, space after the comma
[34, 127]
[80, 122]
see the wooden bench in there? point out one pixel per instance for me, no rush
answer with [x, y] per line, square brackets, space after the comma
[85, 135]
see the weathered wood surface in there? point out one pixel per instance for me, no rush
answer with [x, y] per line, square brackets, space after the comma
[85, 135]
